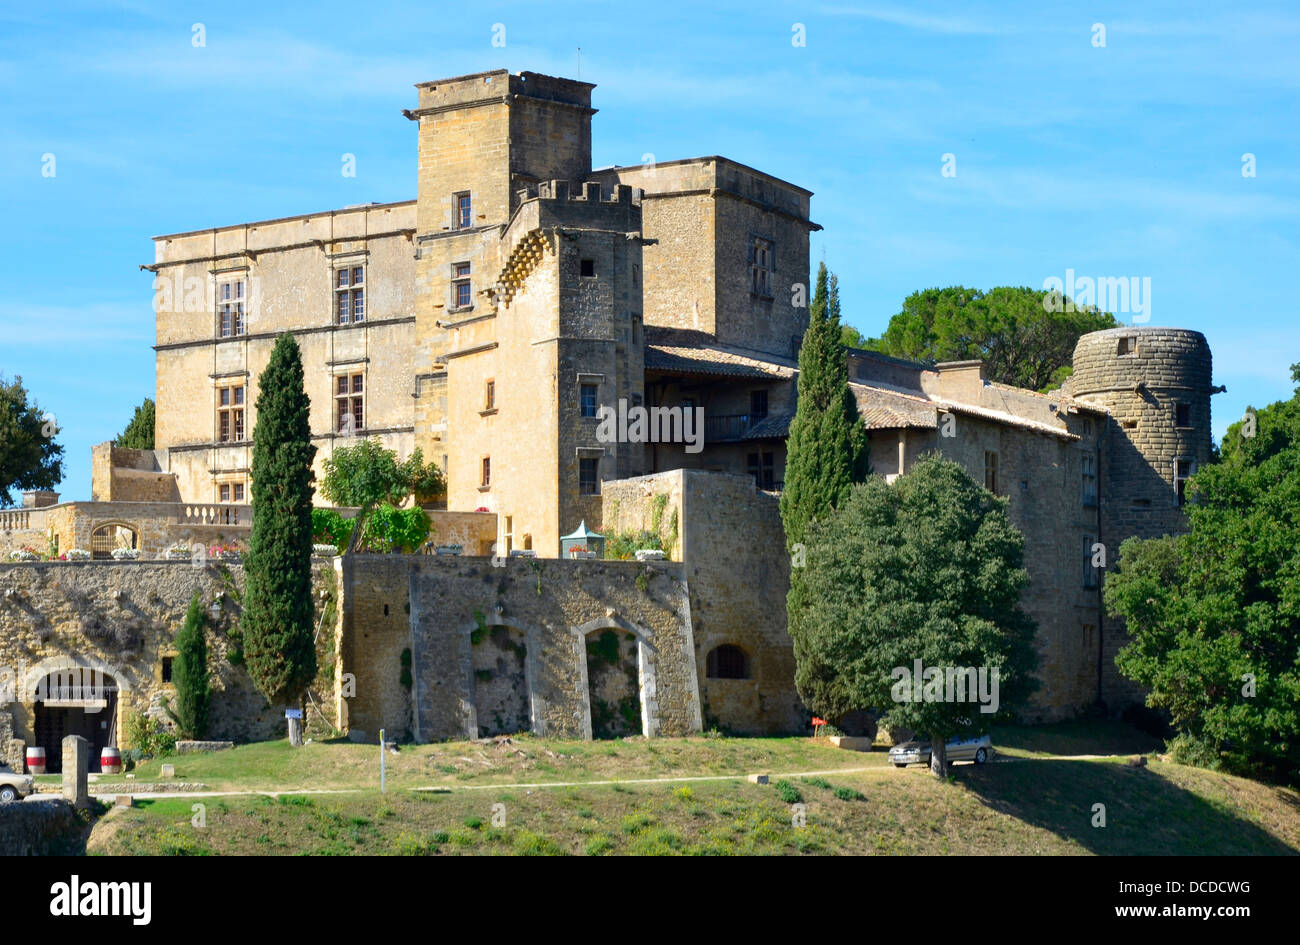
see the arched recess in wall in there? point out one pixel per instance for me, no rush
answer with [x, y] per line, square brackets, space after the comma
[728, 661]
[74, 695]
[499, 695]
[109, 536]
[618, 674]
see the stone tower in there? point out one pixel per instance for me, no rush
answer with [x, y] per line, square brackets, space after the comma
[1156, 384]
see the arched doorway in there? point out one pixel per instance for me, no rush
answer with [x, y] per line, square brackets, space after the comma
[105, 539]
[76, 700]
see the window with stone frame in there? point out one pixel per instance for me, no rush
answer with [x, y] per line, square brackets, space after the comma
[230, 308]
[991, 471]
[1182, 414]
[485, 480]
[349, 404]
[1184, 469]
[1088, 477]
[350, 295]
[588, 398]
[490, 394]
[464, 211]
[232, 492]
[757, 405]
[589, 475]
[762, 266]
[462, 293]
[230, 413]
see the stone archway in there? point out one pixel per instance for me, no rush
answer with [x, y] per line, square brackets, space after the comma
[74, 696]
[109, 536]
[617, 662]
[499, 688]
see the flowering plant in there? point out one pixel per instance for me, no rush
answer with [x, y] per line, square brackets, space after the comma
[126, 554]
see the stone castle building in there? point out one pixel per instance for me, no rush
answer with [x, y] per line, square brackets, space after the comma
[493, 320]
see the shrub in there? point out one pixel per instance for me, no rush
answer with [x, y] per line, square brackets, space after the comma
[1196, 752]
[147, 736]
[848, 794]
[789, 793]
[391, 529]
[330, 527]
[624, 545]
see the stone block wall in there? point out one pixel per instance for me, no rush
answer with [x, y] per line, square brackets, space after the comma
[121, 618]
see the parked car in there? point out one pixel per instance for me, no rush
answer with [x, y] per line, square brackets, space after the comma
[978, 749]
[13, 786]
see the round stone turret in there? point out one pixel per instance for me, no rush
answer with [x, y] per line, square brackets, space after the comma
[1156, 385]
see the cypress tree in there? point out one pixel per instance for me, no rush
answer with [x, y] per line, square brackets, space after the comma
[826, 448]
[190, 676]
[277, 622]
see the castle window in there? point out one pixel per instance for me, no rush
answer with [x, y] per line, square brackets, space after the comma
[589, 475]
[1182, 415]
[485, 481]
[230, 308]
[589, 400]
[167, 668]
[230, 413]
[762, 267]
[727, 662]
[463, 211]
[1184, 469]
[762, 466]
[461, 294]
[350, 295]
[349, 403]
[223, 492]
[991, 471]
[1088, 472]
[757, 405]
[636, 274]
[490, 394]
[1128, 346]
[1089, 570]
[587, 268]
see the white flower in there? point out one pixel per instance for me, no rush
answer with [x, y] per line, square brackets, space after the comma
[126, 554]
[325, 551]
[78, 554]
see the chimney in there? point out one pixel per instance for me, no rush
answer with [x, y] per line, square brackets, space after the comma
[961, 380]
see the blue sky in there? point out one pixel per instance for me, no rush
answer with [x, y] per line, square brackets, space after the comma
[1122, 160]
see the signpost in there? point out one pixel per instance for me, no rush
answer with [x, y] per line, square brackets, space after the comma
[381, 761]
[295, 726]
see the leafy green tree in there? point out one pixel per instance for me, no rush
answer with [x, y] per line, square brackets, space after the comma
[389, 529]
[277, 623]
[931, 569]
[138, 434]
[1024, 336]
[1214, 613]
[827, 445]
[367, 474]
[190, 676]
[850, 337]
[29, 457]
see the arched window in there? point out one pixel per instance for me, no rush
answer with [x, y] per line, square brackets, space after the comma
[727, 662]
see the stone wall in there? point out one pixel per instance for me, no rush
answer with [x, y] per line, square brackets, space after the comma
[121, 618]
[45, 827]
[732, 545]
[549, 609]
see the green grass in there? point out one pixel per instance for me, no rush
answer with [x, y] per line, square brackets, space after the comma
[1030, 802]
[275, 766]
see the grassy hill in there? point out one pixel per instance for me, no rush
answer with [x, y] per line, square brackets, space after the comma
[442, 800]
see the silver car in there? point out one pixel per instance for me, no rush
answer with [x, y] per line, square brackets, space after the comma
[978, 749]
[14, 786]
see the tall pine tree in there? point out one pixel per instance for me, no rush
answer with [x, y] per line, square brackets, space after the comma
[827, 447]
[277, 621]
